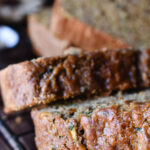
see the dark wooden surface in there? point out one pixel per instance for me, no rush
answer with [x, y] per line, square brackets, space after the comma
[16, 130]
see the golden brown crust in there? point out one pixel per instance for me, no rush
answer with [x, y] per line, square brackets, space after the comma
[17, 86]
[79, 34]
[45, 80]
[44, 43]
[115, 127]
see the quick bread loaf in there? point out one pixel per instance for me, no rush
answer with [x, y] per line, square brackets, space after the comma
[117, 122]
[43, 80]
[46, 43]
[90, 25]
[92, 21]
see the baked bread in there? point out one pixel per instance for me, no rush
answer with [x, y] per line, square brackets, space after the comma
[44, 43]
[43, 80]
[118, 122]
[92, 21]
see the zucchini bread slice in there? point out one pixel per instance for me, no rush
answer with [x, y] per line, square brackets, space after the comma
[47, 79]
[44, 43]
[47, 44]
[93, 20]
[118, 122]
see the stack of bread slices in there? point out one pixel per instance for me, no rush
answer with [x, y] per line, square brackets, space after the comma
[90, 90]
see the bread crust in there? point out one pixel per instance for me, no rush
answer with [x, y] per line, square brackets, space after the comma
[44, 80]
[18, 86]
[65, 27]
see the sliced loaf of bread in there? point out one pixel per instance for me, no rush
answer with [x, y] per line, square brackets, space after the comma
[93, 20]
[45, 43]
[118, 122]
[47, 79]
